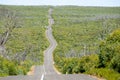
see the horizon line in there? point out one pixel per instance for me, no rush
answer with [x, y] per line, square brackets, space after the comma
[59, 5]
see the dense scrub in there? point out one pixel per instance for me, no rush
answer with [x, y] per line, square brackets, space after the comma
[26, 43]
[110, 51]
[8, 67]
[81, 33]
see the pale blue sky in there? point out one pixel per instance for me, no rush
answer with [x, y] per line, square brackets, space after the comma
[63, 2]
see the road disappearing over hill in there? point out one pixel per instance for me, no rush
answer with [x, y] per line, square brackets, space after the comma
[47, 71]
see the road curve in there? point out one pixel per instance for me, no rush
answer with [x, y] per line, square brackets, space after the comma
[46, 71]
[48, 58]
[50, 73]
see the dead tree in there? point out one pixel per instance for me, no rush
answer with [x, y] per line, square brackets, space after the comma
[9, 21]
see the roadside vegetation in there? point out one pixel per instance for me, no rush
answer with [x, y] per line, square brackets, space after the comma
[88, 40]
[22, 38]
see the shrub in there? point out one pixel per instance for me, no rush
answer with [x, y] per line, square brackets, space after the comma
[12, 69]
[110, 51]
[115, 63]
[81, 68]
[105, 73]
[76, 69]
[69, 65]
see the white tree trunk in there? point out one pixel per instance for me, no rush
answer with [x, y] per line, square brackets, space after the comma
[2, 51]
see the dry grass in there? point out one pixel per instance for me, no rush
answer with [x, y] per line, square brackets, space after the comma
[31, 72]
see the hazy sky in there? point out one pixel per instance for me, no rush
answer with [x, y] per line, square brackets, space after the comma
[63, 2]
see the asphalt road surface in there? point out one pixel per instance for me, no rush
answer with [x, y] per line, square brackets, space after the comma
[46, 71]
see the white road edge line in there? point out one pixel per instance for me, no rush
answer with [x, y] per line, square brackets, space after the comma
[47, 32]
[42, 77]
[44, 69]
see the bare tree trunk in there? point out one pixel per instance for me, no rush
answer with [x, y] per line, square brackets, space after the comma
[9, 22]
[2, 51]
[3, 40]
[7, 33]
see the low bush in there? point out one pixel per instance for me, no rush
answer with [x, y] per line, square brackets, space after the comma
[109, 55]
[108, 74]
[12, 68]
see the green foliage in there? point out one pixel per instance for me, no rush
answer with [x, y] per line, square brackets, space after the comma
[104, 73]
[79, 31]
[102, 61]
[115, 63]
[110, 51]
[77, 65]
[68, 68]
[29, 39]
[8, 67]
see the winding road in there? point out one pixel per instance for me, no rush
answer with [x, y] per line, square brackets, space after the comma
[46, 71]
